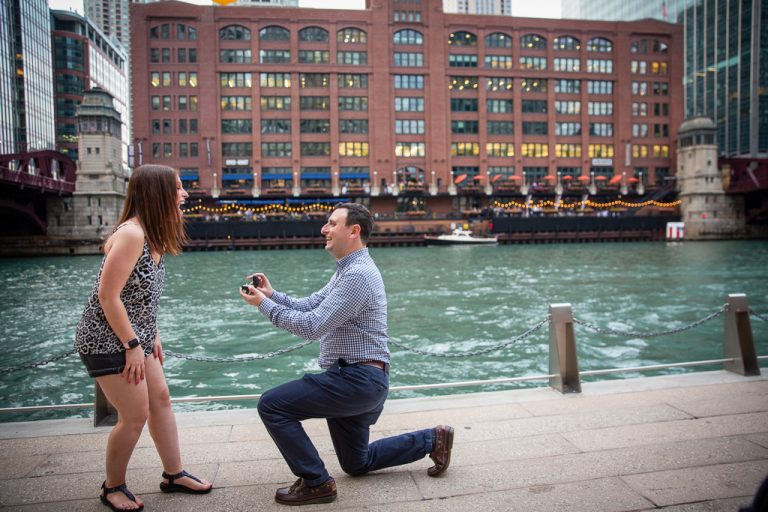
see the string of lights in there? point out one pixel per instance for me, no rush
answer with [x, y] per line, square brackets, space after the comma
[236, 208]
[587, 203]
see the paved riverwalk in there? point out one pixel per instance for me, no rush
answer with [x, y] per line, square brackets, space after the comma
[693, 442]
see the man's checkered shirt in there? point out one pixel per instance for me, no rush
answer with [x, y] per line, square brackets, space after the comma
[348, 315]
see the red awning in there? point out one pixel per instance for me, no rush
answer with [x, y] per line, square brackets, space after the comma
[600, 178]
[633, 180]
[515, 178]
[615, 179]
[458, 179]
[583, 178]
[549, 177]
[478, 178]
[567, 177]
[496, 178]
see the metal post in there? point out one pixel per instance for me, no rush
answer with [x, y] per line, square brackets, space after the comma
[104, 414]
[562, 350]
[738, 342]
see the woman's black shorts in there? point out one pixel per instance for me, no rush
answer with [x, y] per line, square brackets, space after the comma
[99, 365]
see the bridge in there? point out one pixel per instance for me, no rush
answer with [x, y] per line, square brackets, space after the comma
[27, 180]
[749, 178]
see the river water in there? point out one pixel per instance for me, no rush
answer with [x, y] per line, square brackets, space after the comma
[443, 300]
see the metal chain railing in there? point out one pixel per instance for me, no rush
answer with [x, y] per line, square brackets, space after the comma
[210, 359]
[613, 332]
[492, 348]
[28, 366]
[754, 313]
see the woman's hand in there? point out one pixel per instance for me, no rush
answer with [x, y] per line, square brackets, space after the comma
[134, 365]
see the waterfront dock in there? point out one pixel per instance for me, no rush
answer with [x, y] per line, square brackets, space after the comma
[689, 442]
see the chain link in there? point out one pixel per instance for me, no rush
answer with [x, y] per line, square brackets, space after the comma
[613, 332]
[474, 352]
[754, 313]
[209, 359]
[29, 366]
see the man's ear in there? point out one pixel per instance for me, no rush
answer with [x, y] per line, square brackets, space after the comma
[356, 230]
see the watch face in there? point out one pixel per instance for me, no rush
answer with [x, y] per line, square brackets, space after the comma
[133, 343]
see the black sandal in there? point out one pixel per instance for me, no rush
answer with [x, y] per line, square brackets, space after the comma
[171, 486]
[120, 488]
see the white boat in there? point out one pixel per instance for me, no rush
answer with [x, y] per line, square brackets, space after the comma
[460, 236]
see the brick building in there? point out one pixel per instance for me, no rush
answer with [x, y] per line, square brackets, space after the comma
[403, 105]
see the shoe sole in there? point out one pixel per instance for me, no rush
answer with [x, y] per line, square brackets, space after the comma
[313, 501]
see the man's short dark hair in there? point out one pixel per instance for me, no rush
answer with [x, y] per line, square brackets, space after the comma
[360, 215]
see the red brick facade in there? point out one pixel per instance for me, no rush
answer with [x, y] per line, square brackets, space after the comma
[619, 121]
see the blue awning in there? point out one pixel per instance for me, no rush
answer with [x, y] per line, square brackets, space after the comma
[354, 176]
[315, 176]
[189, 177]
[277, 176]
[235, 177]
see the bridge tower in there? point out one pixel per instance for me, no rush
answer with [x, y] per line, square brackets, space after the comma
[708, 213]
[101, 182]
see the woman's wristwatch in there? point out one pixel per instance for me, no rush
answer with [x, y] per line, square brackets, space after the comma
[131, 344]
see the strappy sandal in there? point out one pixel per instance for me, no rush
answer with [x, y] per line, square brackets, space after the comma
[120, 488]
[172, 486]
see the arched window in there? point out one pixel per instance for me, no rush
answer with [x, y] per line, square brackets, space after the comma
[498, 40]
[533, 42]
[274, 33]
[351, 35]
[160, 31]
[191, 33]
[660, 46]
[235, 33]
[408, 36]
[566, 43]
[599, 44]
[313, 34]
[462, 38]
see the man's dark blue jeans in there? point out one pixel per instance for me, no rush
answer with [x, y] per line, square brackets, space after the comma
[351, 398]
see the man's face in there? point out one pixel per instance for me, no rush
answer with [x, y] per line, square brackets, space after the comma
[340, 239]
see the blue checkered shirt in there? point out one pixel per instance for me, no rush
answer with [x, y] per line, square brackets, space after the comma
[348, 315]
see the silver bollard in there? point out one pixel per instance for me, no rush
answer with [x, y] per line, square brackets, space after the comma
[104, 414]
[563, 361]
[738, 342]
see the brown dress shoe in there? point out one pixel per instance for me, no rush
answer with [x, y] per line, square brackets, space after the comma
[441, 452]
[301, 494]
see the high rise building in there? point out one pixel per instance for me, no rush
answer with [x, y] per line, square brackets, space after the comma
[111, 16]
[726, 61]
[84, 59]
[26, 77]
[402, 104]
[488, 7]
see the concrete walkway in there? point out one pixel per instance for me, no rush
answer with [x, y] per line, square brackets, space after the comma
[694, 442]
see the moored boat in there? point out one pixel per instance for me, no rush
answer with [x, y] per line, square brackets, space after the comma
[460, 236]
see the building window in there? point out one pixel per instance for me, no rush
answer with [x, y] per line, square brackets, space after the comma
[275, 103]
[464, 126]
[639, 151]
[568, 150]
[314, 57]
[462, 38]
[315, 149]
[275, 80]
[315, 103]
[601, 129]
[236, 126]
[600, 151]
[599, 44]
[352, 81]
[276, 149]
[275, 126]
[462, 61]
[463, 105]
[600, 108]
[500, 127]
[599, 66]
[535, 128]
[315, 126]
[236, 103]
[355, 126]
[533, 42]
[354, 149]
[314, 80]
[534, 150]
[566, 64]
[235, 33]
[567, 129]
[465, 149]
[533, 85]
[498, 40]
[535, 63]
[498, 62]
[237, 149]
[639, 88]
[408, 36]
[409, 81]
[498, 106]
[274, 33]
[353, 103]
[500, 149]
[639, 130]
[534, 106]
[461, 83]
[639, 67]
[566, 43]
[563, 86]
[409, 104]
[352, 58]
[410, 149]
[661, 151]
[409, 126]
[274, 56]
[234, 56]
[599, 87]
[313, 35]
[499, 84]
[236, 80]
[351, 35]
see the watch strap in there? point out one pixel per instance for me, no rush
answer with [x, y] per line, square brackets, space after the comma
[131, 344]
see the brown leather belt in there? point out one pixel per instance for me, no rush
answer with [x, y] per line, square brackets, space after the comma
[378, 364]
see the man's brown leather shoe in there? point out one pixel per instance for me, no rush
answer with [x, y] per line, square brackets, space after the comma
[441, 452]
[301, 494]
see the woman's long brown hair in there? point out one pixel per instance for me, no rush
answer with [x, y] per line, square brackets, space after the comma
[151, 198]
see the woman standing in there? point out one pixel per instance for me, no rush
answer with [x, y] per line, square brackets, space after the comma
[118, 340]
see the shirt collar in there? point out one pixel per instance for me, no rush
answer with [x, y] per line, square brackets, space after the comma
[349, 258]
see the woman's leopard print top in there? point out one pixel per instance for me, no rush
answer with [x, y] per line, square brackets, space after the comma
[140, 295]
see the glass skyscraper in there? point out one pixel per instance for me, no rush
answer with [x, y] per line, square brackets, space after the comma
[26, 77]
[726, 61]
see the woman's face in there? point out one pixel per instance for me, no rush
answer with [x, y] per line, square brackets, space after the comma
[181, 194]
